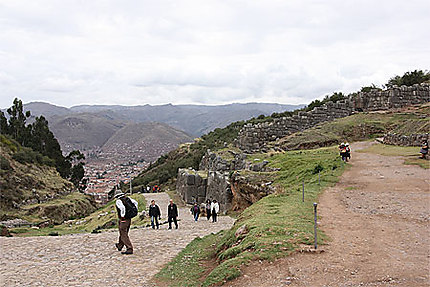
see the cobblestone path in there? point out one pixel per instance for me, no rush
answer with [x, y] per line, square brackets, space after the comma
[92, 259]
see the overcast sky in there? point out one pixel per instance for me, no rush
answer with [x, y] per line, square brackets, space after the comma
[205, 52]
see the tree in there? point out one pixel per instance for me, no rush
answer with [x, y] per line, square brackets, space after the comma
[4, 127]
[409, 78]
[17, 121]
[77, 171]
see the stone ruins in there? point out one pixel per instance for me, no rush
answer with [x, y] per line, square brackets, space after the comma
[218, 177]
[253, 137]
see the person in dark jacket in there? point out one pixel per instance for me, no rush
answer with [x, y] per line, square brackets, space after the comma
[172, 214]
[155, 213]
[208, 209]
[195, 210]
[424, 149]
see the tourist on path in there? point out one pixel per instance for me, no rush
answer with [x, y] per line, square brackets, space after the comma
[208, 209]
[214, 210]
[172, 214]
[125, 209]
[424, 149]
[195, 211]
[347, 152]
[155, 213]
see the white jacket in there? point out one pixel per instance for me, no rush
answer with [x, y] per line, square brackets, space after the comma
[121, 206]
[215, 206]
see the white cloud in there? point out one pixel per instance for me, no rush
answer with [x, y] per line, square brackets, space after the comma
[212, 52]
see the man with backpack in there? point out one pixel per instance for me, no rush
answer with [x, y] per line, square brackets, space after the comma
[127, 209]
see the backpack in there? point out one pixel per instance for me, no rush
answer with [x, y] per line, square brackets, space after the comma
[130, 208]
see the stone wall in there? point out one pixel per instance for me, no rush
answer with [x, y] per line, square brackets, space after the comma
[403, 140]
[191, 185]
[214, 162]
[219, 188]
[253, 137]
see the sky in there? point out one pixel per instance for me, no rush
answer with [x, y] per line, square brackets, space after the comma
[205, 52]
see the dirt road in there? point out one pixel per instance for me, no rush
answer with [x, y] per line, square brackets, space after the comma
[92, 260]
[377, 217]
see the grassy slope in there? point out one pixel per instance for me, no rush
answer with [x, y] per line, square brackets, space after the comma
[358, 127]
[89, 223]
[277, 224]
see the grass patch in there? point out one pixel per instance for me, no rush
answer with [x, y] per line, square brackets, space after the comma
[187, 268]
[276, 225]
[410, 153]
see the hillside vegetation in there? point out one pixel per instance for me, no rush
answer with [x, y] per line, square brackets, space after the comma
[32, 189]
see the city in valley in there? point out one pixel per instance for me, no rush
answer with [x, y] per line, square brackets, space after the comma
[106, 169]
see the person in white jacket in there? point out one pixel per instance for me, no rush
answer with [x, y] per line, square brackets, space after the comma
[214, 210]
[124, 222]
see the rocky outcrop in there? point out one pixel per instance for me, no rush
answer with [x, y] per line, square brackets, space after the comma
[253, 137]
[246, 191]
[405, 140]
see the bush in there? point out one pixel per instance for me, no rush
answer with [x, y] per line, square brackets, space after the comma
[4, 163]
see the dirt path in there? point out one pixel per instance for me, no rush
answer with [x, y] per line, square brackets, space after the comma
[92, 260]
[377, 217]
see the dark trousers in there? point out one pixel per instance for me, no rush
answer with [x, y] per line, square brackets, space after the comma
[124, 227]
[154, 218]
[208, 213]
[214, 215]
[174, 220]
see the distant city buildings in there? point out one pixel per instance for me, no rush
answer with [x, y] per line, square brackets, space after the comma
[105, 170]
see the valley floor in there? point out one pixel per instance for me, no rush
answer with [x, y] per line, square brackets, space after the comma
[377, 217]
[92, 259]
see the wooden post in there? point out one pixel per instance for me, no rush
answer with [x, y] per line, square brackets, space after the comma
[315, 225]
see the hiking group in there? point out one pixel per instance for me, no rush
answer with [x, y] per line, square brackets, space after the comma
[211, 208]
[345, 151]
[127, 208]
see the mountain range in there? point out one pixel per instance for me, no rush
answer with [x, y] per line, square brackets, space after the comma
[88, 127]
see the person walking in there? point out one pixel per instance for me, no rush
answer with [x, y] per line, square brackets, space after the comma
[126, 208]
[214, 210]
[155, 213]
[424, 149]
[208, 209]
[172, 214]
[347, 152]
[195, 211]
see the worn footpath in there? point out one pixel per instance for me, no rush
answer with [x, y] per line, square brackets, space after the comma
[92, 259]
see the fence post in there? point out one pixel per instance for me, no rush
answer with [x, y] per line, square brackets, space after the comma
[315, 225]
[303, 191]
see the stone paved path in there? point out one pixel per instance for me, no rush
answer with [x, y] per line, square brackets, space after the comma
[92, 260]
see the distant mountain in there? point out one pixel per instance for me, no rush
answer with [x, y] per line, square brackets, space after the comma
[89, 127]
[195, 120]
[83, 131]
[144, 141]
[45, 109]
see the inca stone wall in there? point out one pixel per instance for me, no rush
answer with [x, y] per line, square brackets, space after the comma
[212, 161]
[191, 185]
[253, 137]
[403, 140]
[199, 186]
